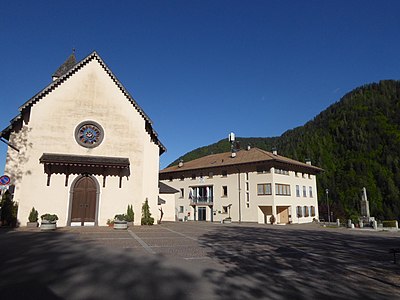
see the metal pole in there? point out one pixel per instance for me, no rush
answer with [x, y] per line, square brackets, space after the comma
[8, 144]
[240, 210]
[327, 203]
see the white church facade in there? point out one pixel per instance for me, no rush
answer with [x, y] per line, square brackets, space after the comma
[86, 150]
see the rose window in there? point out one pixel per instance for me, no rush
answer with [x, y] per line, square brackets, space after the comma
[89, 134]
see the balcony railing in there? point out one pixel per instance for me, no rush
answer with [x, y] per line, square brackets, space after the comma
[201, 200]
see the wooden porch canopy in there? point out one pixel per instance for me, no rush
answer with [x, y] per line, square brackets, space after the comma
[81, 164]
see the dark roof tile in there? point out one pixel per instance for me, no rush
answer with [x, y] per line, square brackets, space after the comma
[66, 66]
[166, 189]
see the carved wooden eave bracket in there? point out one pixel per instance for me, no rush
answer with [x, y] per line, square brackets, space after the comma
[68, 164]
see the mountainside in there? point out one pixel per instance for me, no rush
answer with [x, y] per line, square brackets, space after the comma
[356, 141]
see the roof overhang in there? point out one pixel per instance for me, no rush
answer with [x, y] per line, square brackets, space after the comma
[166, 189]
[300, 167]
[78, 164]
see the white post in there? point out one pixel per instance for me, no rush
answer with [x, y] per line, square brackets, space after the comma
[375, 225]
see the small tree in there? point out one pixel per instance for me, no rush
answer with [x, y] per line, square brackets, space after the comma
[146, 215]
[9, 210]
[130, 215]
[33, 215]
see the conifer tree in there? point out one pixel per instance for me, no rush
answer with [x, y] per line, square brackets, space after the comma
[9, 210]
[146, 215]
[130, 215]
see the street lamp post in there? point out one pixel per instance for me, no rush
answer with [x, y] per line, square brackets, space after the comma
[327, 203]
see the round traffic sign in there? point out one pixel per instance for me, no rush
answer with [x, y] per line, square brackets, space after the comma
[4, 180]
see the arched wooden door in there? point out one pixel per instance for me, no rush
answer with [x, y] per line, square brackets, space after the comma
[84, 201]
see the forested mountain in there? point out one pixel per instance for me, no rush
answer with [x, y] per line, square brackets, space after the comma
[356, 141]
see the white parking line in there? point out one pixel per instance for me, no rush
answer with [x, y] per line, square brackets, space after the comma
[181, 234]
[141, 242]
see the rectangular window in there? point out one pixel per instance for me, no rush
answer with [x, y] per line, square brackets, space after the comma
[264, 189]
[247, 197]
[299, 211]
[224, 209]
[305, 211]
[297, 191]
[304, 191]
[181, 209]
[224, 191]
[247, 176]
[202, 194]
[312, 211]
[310, 191]
[282, 189]
[247, 186]
[182, 193]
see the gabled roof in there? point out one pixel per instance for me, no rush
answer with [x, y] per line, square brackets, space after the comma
[243, 157]
[76, 67]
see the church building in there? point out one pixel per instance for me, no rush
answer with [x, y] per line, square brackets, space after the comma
[83, 149]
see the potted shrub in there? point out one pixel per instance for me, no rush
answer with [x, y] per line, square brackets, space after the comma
[130, 215]
[33, 218]
[110, 223]
[49, 222]
[120, 222]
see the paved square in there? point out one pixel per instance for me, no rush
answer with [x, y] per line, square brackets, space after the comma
[195, 260]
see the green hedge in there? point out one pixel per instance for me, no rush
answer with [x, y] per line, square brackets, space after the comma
[391, 223]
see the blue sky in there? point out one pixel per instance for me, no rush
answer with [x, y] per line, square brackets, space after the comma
[201, 69]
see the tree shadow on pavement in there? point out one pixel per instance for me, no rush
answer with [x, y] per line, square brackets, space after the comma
[54, 265]
[273, 263]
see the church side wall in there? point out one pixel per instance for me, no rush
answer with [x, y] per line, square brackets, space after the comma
[150, 171]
